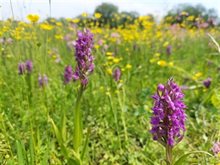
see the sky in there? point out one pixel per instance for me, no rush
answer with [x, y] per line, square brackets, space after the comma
[73, 8]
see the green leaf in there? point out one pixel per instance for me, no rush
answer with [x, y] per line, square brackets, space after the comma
[215, 42]
[72, 161]
[182, 159]
[10, 162]
[32, 155]
[44, 161]
[59, 137]
[56, 131]
[63, 126]
[20, 153]
[86, 144]
[215, 99]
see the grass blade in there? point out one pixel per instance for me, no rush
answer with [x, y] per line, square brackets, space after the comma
[182, 159]
[20, 153]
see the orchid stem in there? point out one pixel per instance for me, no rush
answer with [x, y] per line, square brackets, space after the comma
[169, 155]
[78, 131]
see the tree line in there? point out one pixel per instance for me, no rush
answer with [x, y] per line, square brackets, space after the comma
[107, 14]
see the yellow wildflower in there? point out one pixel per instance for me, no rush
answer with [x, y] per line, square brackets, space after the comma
[54, 56]
[158, 34]
[69, 19]
[46, 26]
[109, 53]
[110, 58]
[58, 36]
[157, 54]
[58, 23]
[182, 25]
[5, 29]
[197, 76]
[84, 14]
[128, 66]
[190, 18]
[162, 63]
[109, 71]
[76, 20]
[33, 18]
[184, 13]
[52, 20]
[96, 46]
[116, 60]
[109, 63]
[165, 44]
[98, 15]
[170, 63]
[153, 60]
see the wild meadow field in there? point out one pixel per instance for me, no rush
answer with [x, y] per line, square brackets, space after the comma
[52, 114]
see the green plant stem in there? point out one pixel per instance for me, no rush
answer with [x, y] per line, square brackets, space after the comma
[114, 113]
[169, 155]
[78, 123]
[122, 107]
[29, 85]
[63, 127]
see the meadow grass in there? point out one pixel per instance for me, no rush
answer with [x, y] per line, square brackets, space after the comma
[116, 115]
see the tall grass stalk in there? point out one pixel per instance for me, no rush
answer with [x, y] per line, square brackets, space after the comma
[121, 100]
